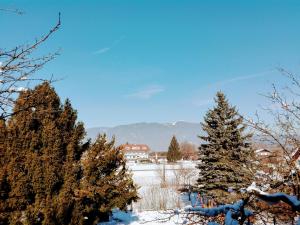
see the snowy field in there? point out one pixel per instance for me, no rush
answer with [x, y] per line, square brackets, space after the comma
[158, 198]
[150, 174]
[162, 204]
[169, 217]
[147, 217]
[159, 184]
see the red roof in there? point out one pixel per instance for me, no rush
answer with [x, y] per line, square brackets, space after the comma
[296, 155]
[135, 147]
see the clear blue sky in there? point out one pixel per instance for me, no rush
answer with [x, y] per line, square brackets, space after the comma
[160, 61]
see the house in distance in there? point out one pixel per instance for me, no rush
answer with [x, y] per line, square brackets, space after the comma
[136, 152]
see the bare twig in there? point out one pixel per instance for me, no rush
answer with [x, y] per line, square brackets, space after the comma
[17, 67]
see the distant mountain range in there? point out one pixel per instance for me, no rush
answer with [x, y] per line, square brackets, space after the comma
[156, 135]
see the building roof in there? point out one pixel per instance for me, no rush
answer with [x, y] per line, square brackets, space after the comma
[296, 154]
[135, 148]
[258, 151]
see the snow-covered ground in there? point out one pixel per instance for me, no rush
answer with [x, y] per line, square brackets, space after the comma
[158, 201]
[150, 174]
[169, 217]
[163, 204]
[154, 192]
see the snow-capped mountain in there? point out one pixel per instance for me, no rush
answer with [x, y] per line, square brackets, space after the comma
[156, 135]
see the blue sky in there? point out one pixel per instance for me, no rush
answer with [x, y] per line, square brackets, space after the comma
[160, 61]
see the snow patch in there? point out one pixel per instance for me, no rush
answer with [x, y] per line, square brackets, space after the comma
[253, 187]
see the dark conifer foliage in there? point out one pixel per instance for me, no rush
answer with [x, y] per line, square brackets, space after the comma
[225, 152]
[106, 182]
[174, 153]
[42, 150]
[42, 171]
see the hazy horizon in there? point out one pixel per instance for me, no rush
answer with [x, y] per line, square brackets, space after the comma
[147, 122]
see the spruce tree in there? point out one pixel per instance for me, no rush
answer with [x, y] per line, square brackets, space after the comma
[107, 183]
[225, 153]
[173, 153]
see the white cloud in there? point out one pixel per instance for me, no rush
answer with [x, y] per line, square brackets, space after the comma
[106, 49]
[202, 102]
[118, 40]
[147, 92]
[102, 50]
[211, 89]
[241, 78]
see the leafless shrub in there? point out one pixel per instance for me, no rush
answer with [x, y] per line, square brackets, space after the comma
[284, 131]
[188, 151]
[161, 173]
[183, 177]
[157, 198]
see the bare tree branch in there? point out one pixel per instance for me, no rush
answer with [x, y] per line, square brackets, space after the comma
[17, 67]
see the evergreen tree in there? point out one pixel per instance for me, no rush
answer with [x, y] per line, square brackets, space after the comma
[4, 185]
[107, 184]
[225, 153]
[42, 149]
[43, 177]
[173, 153]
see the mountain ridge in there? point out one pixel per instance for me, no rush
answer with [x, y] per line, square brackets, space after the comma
[156, 135]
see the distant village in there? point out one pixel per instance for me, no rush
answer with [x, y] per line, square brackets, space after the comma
[141, 153]
[269, 157]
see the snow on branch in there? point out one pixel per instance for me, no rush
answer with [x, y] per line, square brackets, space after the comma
[231, 211]
[276, 197]
[220, 209]
[238, 210]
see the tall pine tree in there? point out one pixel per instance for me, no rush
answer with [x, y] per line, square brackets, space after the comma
[225, 153]
[173, 153]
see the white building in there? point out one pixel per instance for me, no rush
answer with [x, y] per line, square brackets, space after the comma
[136, 152]
[262, 152]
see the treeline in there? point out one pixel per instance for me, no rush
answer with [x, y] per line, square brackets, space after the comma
[49, 174]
